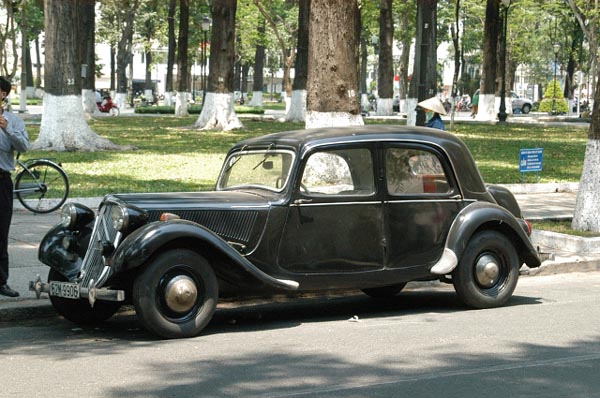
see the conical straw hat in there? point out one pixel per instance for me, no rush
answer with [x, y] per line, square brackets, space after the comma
[433, 104]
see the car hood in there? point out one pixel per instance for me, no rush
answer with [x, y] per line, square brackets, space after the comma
[239, 218]
[194, 200]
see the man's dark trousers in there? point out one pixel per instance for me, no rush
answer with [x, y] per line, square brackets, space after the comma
[6, 209]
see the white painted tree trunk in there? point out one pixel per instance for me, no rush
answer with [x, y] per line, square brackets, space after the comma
[587, 206]
[218, 113]
[257, 99]
[121, 100]
[316, 119]
[411, 111]
[169, 98]
[88, 100]
[487, 107]
[148, 94]
[181, 104]
[385, 106]
[297, 111]
[364, 102]
[64, 127]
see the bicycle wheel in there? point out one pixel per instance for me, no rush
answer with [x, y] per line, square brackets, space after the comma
[42, 187]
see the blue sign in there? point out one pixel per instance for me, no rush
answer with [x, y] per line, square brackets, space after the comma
[531, 159]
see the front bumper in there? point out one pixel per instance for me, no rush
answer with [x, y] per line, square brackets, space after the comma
[91, 293]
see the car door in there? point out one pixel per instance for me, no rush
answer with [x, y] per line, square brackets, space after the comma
[421, 202]
[335, 221]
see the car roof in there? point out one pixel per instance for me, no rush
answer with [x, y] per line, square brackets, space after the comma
[302, 141]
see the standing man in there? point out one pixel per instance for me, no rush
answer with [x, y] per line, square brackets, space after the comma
[13, 137]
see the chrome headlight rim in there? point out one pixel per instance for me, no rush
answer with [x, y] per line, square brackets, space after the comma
[75, 215]
[120, 218]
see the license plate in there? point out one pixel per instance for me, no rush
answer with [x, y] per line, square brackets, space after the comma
[64, 289]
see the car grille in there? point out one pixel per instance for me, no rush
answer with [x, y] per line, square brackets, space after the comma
[93, 266]
[234, 225]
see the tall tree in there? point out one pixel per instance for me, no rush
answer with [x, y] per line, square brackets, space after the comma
[87, 47]
[332, 85]
[218, 112]
[587, 207]
[297, 109]
[181, 104]
[279, 16]
[385, 70]
[487, 96]
[423, 84]
[63, 126]
[259, 66]
[171, 52]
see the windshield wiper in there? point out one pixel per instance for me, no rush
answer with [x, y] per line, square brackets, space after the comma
[264, 159]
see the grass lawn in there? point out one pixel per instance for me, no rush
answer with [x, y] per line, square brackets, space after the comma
[171, 157]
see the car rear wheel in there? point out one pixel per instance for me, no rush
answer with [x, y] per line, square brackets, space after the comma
[385, 291]
[80, 311]
[526, 108]
[176, 294]
[488, 271]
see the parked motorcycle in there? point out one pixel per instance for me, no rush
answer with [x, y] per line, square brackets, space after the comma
[107, 106]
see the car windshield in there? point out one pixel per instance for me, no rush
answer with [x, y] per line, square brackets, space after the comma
[268, 169]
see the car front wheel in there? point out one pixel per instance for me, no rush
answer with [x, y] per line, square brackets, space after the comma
[488, 271]
[176, 294]
[526, 108]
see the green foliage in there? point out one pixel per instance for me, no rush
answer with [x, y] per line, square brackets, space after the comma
[554, 99]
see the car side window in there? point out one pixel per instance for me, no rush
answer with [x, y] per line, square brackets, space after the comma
[339, 172]
[413, 171]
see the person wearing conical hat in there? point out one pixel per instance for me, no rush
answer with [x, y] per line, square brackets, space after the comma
[433, 109]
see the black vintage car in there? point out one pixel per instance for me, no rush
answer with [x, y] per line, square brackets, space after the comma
[370, 207]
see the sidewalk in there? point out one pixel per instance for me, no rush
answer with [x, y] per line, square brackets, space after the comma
[537, 201]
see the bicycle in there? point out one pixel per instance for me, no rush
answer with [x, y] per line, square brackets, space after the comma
[42, 185]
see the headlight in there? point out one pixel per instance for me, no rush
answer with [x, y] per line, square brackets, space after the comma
[120, 218]
[75, 215]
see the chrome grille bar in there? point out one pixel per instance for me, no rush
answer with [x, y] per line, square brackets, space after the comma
[93, 267]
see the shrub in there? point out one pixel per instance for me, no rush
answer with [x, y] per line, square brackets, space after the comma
[554, 94]
[192, 109]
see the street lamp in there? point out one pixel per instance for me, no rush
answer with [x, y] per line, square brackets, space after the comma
[555, 48]
[502, 114]
[205, 26]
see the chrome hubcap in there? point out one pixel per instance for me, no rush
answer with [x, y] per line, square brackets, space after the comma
[487, 270]
[181, 293]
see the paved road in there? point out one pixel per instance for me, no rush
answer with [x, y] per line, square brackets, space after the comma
[545, 343]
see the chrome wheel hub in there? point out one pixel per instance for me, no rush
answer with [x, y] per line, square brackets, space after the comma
[181, 293]
[487, 270]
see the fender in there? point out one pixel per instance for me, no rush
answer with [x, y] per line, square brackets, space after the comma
[137, 248]
[472, 218]
[52, 252]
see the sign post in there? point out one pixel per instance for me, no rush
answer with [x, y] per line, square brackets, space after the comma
[531, 160]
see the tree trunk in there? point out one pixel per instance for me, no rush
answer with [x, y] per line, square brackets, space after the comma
[181, 104]
[297, 110]
[171, 52]
[259, 65]
[362, 83]
[218, 111]
[87, 46]
[423, 84]
[587, 206]
[487, 97]
[63, 126]
[332, 83]
[385, 75]
[124, 53]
